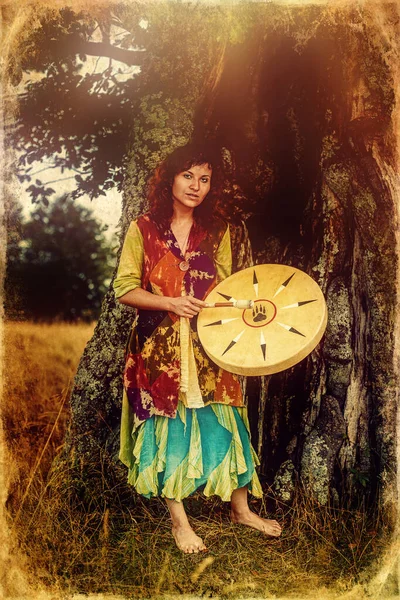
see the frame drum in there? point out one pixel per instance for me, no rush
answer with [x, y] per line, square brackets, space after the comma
[287, 320]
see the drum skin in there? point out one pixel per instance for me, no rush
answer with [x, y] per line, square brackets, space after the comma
[286, 322]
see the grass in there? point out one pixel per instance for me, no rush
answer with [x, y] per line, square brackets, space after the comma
[39, 365]
[112, 541]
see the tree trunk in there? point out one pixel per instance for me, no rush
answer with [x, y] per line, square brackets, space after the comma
[304, 102]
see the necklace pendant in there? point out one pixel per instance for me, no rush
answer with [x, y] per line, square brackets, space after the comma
[184, 265]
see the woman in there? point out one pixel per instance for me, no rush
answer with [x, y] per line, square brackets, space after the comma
[184, 426]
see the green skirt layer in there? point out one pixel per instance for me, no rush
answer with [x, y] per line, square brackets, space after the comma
[206, 449]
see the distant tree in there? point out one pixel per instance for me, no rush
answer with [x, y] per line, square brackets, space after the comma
[14, 224]
[59, 264]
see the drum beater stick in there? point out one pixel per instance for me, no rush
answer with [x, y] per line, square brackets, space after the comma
[234, 304]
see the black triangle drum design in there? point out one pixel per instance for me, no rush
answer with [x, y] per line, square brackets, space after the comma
[285, 323]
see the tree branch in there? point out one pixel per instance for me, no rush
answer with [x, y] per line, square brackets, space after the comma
[57, 180]
[44, 169]
[73, 45]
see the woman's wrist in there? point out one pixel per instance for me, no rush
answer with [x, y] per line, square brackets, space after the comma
[170, 304]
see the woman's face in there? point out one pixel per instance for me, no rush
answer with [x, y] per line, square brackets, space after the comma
[190, 187]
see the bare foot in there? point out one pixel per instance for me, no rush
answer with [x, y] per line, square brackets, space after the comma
[187, 540]
[267, 526]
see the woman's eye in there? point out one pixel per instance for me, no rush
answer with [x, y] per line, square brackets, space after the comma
[204, 180]
[187, 175]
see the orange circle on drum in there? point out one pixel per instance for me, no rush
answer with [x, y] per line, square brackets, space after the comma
[260, 315]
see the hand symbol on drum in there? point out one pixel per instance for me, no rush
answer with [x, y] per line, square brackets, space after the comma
[259, 313]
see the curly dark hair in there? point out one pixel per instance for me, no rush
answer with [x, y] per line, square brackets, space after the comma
[159, 191]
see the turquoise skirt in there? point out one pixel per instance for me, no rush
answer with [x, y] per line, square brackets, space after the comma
[205, 449]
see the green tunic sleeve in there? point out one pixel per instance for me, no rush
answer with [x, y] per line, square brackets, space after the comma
[129, 273]
[223, 257]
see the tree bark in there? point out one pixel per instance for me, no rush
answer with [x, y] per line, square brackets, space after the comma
[304, 104]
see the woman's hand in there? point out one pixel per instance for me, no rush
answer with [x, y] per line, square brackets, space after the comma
[186, 306]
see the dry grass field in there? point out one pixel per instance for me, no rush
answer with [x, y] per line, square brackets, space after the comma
[40, 364]
[77, 541]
